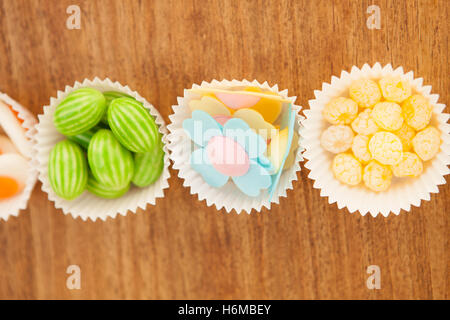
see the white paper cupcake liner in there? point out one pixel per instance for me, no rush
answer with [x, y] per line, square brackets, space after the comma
[229, 196]
[89, 206]
[403, 192]
[12, 206]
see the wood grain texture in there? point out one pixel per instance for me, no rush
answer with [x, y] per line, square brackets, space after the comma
[303, 248]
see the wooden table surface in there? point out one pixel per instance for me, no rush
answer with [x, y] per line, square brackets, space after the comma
[303, 248]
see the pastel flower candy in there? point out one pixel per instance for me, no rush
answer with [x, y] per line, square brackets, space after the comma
[232, 150]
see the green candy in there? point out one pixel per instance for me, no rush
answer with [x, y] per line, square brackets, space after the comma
[133, 125]
[110, 96]
[111, 164]
[67, 170]
[98, 189]
[84, 138]
[148, 167]
[80, 111]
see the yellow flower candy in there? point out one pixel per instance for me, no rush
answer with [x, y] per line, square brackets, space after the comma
[364, 124]
[417, 111]
[360, 148]
[387, 115]
[340, 111]
[406, 134]
[347, 169]
[395, 89]
[410, 166]
[426, 143]
[386, 148]
[337, 139]
[377, 176]
[365, 92]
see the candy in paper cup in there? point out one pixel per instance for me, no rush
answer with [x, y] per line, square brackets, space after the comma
[403, 192]
[225, 106]
[89, 206]
[23, 143]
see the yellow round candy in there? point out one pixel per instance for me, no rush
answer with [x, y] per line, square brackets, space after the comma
[340, 111]
[387, 115]
[426, 143]
[395, 89]
[410, 166]
[347, 169]
[386, 148]
[417, 111]
[364, 124]
[406, 134]
[360, 148]
[377, 177]
[365, 92]
[337, 139]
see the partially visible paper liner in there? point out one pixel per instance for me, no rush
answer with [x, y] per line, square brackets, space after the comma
[404, 192]
[229, 196]
[13, 206]
[88, 206]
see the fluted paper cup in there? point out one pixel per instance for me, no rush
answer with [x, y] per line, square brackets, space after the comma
[229, 196]
[403, 192]
[13, 206]
[89, 206]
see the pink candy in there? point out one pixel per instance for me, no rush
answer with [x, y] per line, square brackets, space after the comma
[227, 156]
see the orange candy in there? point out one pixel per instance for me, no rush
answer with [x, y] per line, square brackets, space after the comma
[8, 187]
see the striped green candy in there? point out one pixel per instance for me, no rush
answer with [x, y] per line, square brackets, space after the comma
[111, 164]
[133, 125]
[110, 96]
[80, 111]
[68, 170]
[98, 189]
[148, 167]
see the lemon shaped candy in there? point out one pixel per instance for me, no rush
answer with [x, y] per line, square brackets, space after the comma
[395, 89]
[347, 169]
[410, 166]
[340, 111]
[386, 148]
[80, 111]
[67, 170]
[377, 177]
[360, 148]
[364, 124]
[100, 190]
[337, 139]
[365, 92]
[133, 125]
[406, 134]
[111, 164]
[387, 115]
[417, 111]
[426, 143]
